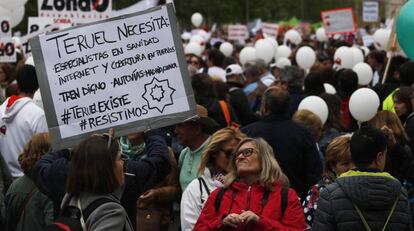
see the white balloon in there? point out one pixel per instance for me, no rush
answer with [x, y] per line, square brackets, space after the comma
[381, 37]
[186, 36]
[197, 19]
[344, 58]
[321, 35]
[364, 104]
[197, 39]
[29, 61]
[357, 55]
[305, 57]
[364, 72]
[273, 42]
[316, 105]
[226, 48]
[15, 16]
[283, 51]
[247, 54]
[193, 48]
[264, 50]
[12, 4]
[282, 62]
[293, 36]
[329, 88]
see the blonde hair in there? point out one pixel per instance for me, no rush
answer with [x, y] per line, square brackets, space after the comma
[392, 121]
[309, 120]
[270, 170]
[37, 146]
[338, 150]
[218, 140]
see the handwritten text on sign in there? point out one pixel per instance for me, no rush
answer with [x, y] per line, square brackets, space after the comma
[113, 73]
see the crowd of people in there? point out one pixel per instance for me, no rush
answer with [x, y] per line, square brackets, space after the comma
[250, 159]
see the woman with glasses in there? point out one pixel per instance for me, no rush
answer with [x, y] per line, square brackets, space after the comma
[214, 165]
[255, 195]
[96, 172]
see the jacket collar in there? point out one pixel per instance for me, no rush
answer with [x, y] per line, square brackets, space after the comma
[366, 172]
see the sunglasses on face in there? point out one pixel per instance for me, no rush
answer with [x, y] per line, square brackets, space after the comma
[245, 152]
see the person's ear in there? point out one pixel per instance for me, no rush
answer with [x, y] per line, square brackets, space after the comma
[380, 160]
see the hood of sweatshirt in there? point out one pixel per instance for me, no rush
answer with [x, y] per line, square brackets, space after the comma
[13, 105]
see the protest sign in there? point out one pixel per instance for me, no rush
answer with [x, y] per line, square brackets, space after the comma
[37, 23]
[5, 28]
[128, 73]
[7, 50]
[79, 11]
[238, 32]
[339, 21]
[27, 50]
[270, 29]
[370, 11]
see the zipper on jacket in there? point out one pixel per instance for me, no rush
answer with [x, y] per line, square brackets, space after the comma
[248, 197]
[249, 191]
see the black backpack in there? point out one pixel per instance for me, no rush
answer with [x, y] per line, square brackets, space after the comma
[283, 204]
[69, 219]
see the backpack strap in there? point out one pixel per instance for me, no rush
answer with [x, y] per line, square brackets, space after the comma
[22, 208]
[284, 199]
[365, 223]
[225, 111]
[202, 183]
[94, 205]
[219, 197]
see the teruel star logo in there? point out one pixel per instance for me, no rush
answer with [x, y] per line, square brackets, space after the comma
[158, 94]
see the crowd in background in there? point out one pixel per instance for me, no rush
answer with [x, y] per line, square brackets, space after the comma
[250, 160]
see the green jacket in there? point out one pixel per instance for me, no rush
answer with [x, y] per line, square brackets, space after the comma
[38, 211]
[388, 103]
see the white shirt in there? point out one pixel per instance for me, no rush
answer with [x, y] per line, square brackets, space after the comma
[191, 205]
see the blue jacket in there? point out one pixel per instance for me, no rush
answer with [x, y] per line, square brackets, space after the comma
[51, 171]
[294, 148]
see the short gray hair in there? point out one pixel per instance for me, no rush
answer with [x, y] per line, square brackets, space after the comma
[294, 76]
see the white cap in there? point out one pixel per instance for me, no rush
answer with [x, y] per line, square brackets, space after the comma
[281, 63]
[234, 69]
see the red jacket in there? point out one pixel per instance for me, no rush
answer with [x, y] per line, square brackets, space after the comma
[270, 217]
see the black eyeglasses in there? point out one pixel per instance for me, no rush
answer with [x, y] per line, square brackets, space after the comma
[245, 152]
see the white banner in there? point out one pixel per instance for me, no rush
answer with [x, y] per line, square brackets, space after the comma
[5, 27]
[7, 50]
[79, 11]
[370, 11]
[270, 29]
[127, 73]
[38, 23]
[339, 21]
[238, 32]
